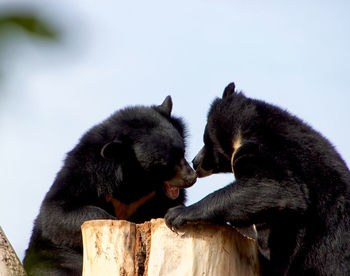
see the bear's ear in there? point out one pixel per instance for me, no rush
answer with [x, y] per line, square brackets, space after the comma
[229, 90]
[166, 106]
[111, 150]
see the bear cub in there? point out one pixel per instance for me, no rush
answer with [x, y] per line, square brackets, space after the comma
[131, 166]
[288, 177]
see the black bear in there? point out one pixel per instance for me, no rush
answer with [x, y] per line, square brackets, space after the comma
[287, 176]
[131, 166]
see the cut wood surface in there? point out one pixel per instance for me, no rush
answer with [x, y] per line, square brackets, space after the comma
[118, 247]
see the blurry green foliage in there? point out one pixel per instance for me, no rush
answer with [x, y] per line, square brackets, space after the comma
[30, 23]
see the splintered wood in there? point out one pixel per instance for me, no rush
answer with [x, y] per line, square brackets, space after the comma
[118, 247]
[10, 265]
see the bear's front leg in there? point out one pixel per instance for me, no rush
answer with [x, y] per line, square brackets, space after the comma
[244, 203]
[210, 209]
[180, 215]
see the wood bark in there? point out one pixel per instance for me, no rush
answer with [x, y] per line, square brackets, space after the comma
[9, 262]
[118, 247]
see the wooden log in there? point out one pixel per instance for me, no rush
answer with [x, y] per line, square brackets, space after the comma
[9, 262]
[109, 246]
[117, 247]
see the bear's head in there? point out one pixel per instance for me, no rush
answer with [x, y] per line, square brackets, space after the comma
[223, 142]
[146, 146]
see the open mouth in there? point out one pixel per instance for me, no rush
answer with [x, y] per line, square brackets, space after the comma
[184, 177]
[172, 192]
[172, 187]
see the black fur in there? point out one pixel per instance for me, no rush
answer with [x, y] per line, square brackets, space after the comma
[288, 178]
[129, 155]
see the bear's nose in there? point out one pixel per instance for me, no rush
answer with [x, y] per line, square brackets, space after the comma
[191, 178]
[198, 159]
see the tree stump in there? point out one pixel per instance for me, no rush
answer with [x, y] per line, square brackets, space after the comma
[118, 247]
[9, 262]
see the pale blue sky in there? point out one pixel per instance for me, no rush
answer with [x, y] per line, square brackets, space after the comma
[116, 53]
